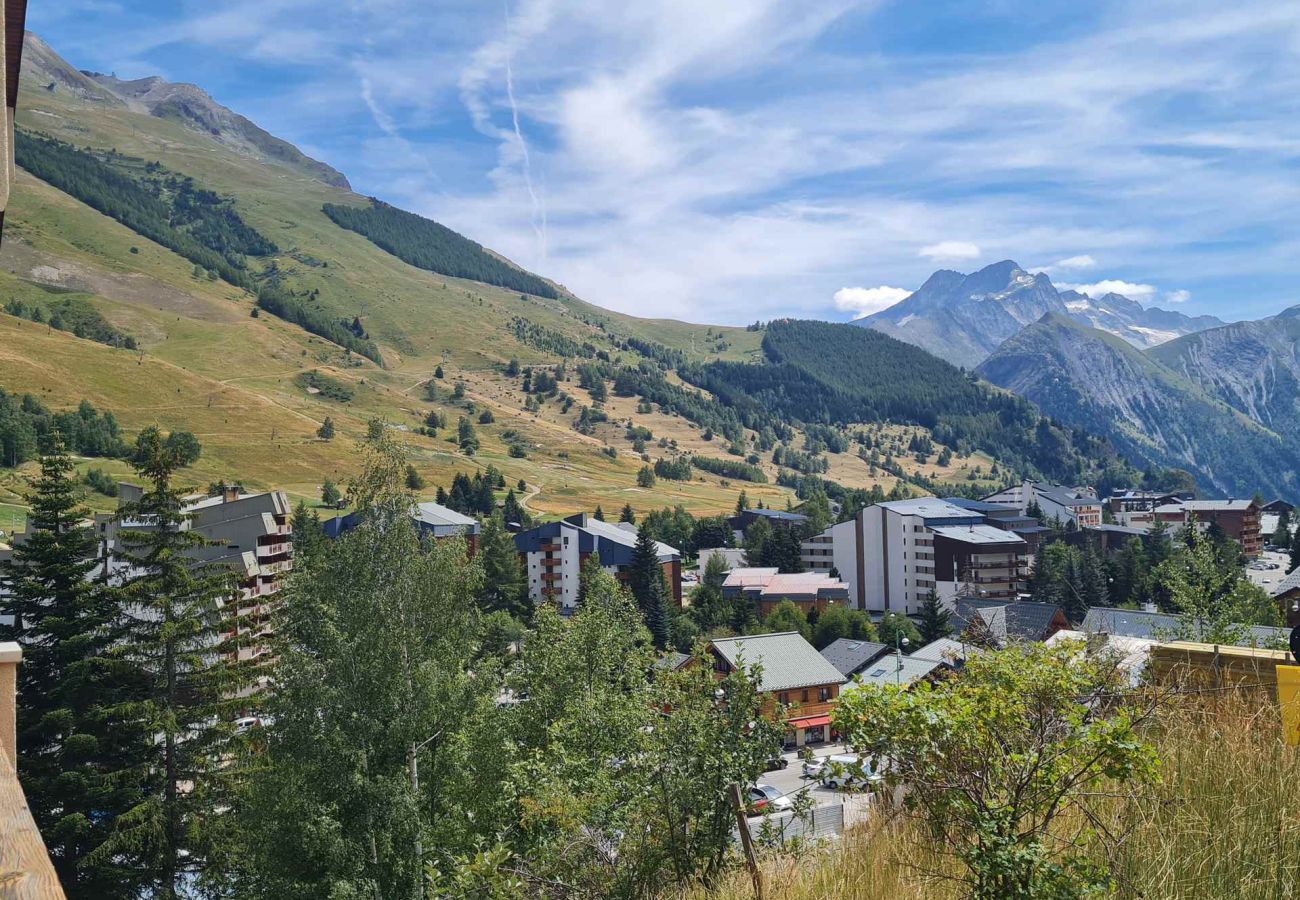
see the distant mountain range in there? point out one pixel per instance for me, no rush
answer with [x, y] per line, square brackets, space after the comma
[1223, 403]
[964, 318]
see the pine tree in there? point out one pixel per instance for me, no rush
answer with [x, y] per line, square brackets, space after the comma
[79, 759]
[646, 580]
[326, 430]
[1282, 534]
[627, 515]
[599, 514]
[504, 584]
[1092, 583]
[308, 536]
[1295, 551]
[329, 493]
[511, 511]
[177, 611]
[936, 621]
[742, 503]
[414, 480]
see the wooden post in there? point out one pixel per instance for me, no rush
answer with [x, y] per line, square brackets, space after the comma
[10, 655]
[747, 841]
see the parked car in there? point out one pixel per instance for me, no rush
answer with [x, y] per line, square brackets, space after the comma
[763, 798]
[848, 771]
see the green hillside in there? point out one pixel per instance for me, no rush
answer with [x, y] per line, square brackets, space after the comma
[232, 271]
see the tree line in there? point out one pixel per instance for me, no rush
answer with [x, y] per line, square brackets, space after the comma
[26, 424]
[428, 245]
[165, 208]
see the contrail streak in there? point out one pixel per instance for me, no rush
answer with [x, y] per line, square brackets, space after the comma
[539, 210]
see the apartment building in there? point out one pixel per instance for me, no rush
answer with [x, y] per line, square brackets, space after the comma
[1239, 519]
[1136, 509]
[1076, 506]
[553, 555]
[741, 521]
[249, 534]
[892, 555]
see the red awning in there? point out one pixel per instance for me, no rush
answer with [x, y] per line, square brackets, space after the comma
[810, 722]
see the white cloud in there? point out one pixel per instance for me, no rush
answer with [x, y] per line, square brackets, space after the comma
[865, 301]
[1129, 289]
[1083, 261]
[950, 251]
[1179, 296]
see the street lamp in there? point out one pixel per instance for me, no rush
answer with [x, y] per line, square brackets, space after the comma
[899, 643]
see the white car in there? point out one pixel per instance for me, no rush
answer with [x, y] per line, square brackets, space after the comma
[763, 798]
[847, 771]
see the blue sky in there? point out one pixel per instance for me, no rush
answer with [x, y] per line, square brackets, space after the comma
[730, 161]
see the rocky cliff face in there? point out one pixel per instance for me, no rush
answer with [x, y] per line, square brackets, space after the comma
[1253, 367]
[1090, 379]
[185, 103]
[964, 318]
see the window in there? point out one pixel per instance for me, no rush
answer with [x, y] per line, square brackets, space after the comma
[804, 697]
[783, 698]
[876, 673]
[823, 694]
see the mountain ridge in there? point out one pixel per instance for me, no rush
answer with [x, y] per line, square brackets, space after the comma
[182, 102]
[965, 317]
[1091, 379]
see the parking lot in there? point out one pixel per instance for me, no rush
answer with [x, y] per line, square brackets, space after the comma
[790, 781]
[1269, 569]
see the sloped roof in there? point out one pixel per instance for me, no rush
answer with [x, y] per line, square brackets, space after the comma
[1020, 620]
[1064, 496]
[1141, 624]
[848, 655]
[787, 660]
[1287, 584]
[1217, 505]
[946, 650]
[778, 514]
[896, 670]
[437, 514]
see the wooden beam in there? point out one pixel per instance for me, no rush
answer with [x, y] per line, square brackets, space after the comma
[25, 869]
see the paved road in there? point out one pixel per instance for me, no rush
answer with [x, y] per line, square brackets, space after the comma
[790, 780]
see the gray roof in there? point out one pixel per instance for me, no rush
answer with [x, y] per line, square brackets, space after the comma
[895, 670]
[1217, 505]
[978, 534]
[849, 656]
[946, 650]
[437, 514]
[930, 508]
[1018, 620]
[1287, 584]
[1157, 626]
[625, 536]
[1064, 496]
[788, 661]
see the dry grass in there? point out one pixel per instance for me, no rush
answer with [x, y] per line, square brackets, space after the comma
[1223, 822]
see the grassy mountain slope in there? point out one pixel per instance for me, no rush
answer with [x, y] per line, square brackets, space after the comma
[1098, 382]
[822, 372]
[232, 377]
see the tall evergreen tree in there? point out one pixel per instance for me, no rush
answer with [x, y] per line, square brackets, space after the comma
[512, 512]
[1282, 534]
[627, 515]
[1295, 552]
[742, 502]
[177, 608]
[936, 621]
[79, 759]
[646, 580]
[599, 514]
[504, 584]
